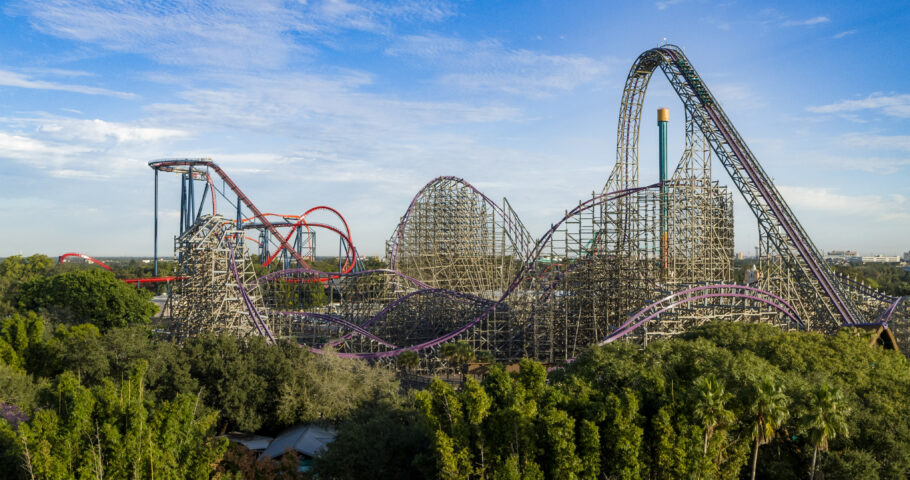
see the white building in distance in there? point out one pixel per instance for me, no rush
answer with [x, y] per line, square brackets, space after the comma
[881, 259]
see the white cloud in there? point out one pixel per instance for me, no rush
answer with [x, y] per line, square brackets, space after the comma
[738, 95]
[871, 164]
[664, 4]
[892, 105]
[878, 208]
[224, 33]
[75, 148]
[491, 66]
[808, 22]
[99, 131]
[876, 142]
[23, 148]
[331, 106]
[844, 34]
[13, 79]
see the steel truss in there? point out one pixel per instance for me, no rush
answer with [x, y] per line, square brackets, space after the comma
[463, 268]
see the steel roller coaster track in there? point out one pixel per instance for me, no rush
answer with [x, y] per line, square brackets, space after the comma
[464, 267]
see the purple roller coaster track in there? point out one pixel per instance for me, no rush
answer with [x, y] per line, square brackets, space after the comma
[463, 267]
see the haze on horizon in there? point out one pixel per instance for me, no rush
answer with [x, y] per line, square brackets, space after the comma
[358, 104]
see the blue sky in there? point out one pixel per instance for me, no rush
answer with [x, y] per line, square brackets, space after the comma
[358, 104]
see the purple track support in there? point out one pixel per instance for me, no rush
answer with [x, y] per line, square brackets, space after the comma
[340, 322]
[535, 253]
[633, 322]
[261, 327]
[671, 56]
[885, 317]
[789, 310]
[317, 273]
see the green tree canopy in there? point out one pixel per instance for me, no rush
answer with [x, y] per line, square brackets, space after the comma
[92, 296]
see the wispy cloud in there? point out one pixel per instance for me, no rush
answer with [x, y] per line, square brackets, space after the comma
[324, 105]
[844, 34]
[664, 4]
[892, 105]
[869, 163]
[18, 80]
[488, 65]
[261, 34]
[805, 23]
[876, 142]
[881, 208]
[69, 147]
[738, 95]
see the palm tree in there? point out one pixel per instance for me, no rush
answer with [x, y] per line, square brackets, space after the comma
[825, 420]
[408, 360]
[459, 353]
[769, 409]
[710, 405]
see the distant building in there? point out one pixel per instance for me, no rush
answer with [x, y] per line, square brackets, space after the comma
[752, 275]
[907, 257]
[739, 255]
[881, 259]
[842, 256]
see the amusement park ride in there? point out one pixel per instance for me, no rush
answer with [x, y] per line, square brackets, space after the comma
[634, 263]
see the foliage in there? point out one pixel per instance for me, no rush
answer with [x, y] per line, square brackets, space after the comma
[888, 278]
[92, 296]
[108, 430]
[458, 354]
[257, 386]
[769, 411]
[697, 406]
[16, 270]
[380, 440]
[240, 462]
[825, 419]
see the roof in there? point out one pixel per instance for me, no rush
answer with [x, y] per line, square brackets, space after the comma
[253, 442]
[306, 439]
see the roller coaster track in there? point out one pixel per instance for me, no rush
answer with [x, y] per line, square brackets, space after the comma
[774, 216]
[87, 258]
[137, 281]
[830, 308]
[173, 165]
[704, 292]
[634, 322]
[491, 305]
[514, 228]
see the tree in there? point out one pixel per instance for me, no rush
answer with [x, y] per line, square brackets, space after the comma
[109, 431]
[825, 419]
[769, 409]
[14, 271]
[558, 436]
[408, 360]
[20, 337]
[622, 436]
[710, 405]
[380, 440]
[92, 296]
[459, 354]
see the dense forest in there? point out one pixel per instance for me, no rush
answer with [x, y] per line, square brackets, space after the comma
[87, 391]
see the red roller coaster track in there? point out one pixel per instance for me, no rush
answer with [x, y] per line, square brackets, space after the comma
[131, 281]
